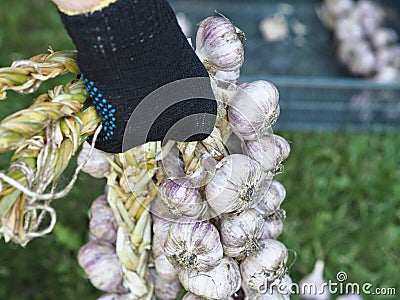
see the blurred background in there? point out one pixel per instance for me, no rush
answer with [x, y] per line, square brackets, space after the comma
[342, 177]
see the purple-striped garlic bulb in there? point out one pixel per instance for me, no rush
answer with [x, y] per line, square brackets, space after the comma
[269, 199]
[220, 282]
[100, 262]
[97, 165]
[193, 245]
[234, 186]
[264, 266]
[272, 229]
[240, 233]
[254, 109]
[165, 289]
[219, 45]
[181, 198]
[270, 150]
[102, 224]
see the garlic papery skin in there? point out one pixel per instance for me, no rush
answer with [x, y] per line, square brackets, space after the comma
[234, 185]
[240, 233]
[270, 150]
[165, 289]
[164, 268]
[270, 196]
[102, 224]
[349, 297]
[190, 296]
[98, 165]
[272, 229]
[101, 264]
[280, 289]
[253, 109]
[116, 297]
[220, 282]
[264, 266]
[219, 45]
[313, 286]
[181, 198]
[193, 244]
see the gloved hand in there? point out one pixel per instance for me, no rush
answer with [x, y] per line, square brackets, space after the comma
[126, 51]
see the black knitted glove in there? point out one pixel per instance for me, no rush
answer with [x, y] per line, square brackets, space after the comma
[126, 51]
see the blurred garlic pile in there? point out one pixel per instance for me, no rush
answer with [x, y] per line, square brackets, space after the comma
[217, 213]
[364, 45]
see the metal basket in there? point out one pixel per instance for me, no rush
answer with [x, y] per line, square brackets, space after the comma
[316, 91]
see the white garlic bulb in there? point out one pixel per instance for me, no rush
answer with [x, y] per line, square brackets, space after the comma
[313, 286]
[219, 44]
[100, 262]
[220, 282]
[234, 185]
[254, 109]
[193, 244]
[181, 198]
[102, 224]
[383, 37]
[240, 233]
[274, 28]
[270, 196]
[270, 150]
[370, 14]
[264, 266]
[98, 165]
[165, 289]
[338, 7]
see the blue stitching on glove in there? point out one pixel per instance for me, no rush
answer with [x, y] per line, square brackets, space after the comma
[103, 108]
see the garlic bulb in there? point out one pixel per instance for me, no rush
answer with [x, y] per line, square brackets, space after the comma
[190, 296]
[228, 76]
[269, 199]
[194, 245]
[98, 165]
[313, 286]
[116, 297]
[240, 233]
[181, 198]
[102, 224]
[370, 14]
[102, 266]
[272, 229]
[219, 44]
[383, 37]
[349, 297]
[274, 28]
[254, 109]
[269, 150]
[234, 185]
[220, 282]
[165, 289]
[280, 289]
[164, 268]
[264, 266]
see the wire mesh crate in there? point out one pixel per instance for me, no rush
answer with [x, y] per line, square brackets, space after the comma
[316, 91]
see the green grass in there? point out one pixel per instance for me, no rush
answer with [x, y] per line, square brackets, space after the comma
[343, 193]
